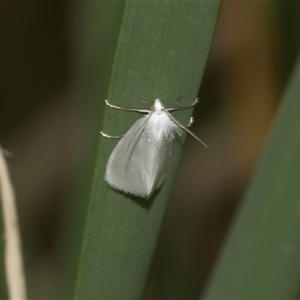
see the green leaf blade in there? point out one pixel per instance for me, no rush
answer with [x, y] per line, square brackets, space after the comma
[162, 50]
[261, 258]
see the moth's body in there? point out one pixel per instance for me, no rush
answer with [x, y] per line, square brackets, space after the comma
[138, 163]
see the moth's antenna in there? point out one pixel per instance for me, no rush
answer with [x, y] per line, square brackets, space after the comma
[184, 128]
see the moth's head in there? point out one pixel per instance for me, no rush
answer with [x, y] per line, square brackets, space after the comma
[157, 106]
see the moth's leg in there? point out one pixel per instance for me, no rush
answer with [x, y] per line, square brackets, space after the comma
[190, 122]
[111, 136]
[128, 109]
[182, 108]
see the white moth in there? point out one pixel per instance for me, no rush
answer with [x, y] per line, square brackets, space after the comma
[138, 163]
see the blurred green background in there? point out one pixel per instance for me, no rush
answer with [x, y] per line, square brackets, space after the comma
[45, 122]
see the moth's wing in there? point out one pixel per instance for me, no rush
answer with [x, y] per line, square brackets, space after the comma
[160, 155]
[137, 165]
